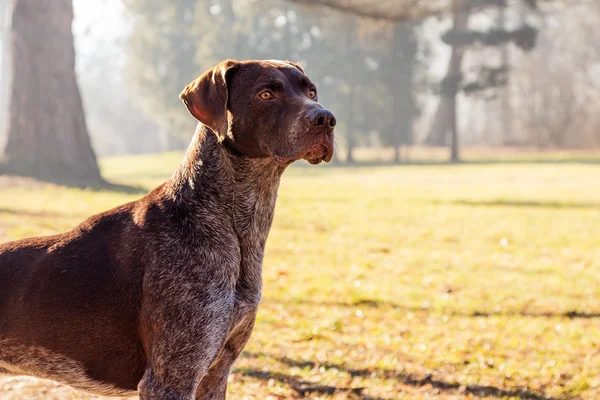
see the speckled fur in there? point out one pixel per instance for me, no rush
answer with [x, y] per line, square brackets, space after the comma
[222, 279]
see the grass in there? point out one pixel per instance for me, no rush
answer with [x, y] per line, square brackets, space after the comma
[444, 282]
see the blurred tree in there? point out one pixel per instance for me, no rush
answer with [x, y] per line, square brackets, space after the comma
[446, 109]
[348, 71]
[344, 54]
[391, 10]
[565, 113]
[402, 10]
[400, 71]
[461, 38]
[4, 35]
[174, 42]
[47, 133]
[161, 53]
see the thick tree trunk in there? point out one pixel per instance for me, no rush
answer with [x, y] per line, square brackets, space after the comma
[4, 29]
[47, 134]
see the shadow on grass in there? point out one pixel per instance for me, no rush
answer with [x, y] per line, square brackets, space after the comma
[521, 203]
[119, 188]
[424, 380]
[377, 163]
[566, 314]
[28, 213]
[301, 387]
[374, 303]
[103, 185]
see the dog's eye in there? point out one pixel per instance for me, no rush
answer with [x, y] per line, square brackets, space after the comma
[312, 94]
[266, 95]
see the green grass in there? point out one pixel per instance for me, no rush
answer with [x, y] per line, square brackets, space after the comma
[448, 282]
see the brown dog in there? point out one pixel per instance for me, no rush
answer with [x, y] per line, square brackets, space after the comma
[160, 295]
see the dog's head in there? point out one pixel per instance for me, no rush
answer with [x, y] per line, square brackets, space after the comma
[263, 109]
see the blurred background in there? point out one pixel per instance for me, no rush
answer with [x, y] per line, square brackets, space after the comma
[400, 75]
[451, 250]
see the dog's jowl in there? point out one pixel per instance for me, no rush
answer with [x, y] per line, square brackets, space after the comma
[159, 296]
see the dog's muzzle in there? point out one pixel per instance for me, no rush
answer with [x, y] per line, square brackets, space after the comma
[321, 151]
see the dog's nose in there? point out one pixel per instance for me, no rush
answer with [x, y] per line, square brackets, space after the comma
[322, 118]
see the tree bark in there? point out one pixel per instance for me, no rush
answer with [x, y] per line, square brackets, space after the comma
[47, 133]
[4, 29]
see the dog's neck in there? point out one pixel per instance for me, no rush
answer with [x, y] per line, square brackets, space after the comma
[211, 176]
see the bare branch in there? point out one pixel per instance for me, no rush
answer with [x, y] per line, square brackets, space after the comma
[391, 10]
[395, 10]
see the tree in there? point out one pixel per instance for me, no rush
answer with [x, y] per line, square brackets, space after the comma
[344, 55]
[401, 77]
[160, 61]
[4, 29]
[401, 10]
[450, 85]
[487, 77]
[445, 120]
[563, 114]
[172, 43]
[391, 10]
[47, 133]
[348, 73]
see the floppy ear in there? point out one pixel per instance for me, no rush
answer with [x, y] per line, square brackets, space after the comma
[206, 98]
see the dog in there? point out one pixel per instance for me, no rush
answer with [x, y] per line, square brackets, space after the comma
[158, 297]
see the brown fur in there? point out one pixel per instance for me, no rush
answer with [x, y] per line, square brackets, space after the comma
[160, 295]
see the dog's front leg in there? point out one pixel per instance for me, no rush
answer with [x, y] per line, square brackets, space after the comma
[185, 342]
[214, 384]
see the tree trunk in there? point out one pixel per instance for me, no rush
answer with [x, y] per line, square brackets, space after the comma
[437, 135]
[350, 149]
[452, 109]
[350, 140]
[47, 134]
[505, 93]
[454, 157]
[4, 29]
[460, 19]
[396, 91]
[397, 157]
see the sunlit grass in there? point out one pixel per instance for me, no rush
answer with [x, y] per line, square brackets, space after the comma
[397, 282]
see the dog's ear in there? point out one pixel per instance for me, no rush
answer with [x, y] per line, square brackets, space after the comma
[293, 64]
[206, 97]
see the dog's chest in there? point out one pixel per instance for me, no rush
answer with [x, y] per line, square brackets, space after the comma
[253, 220]
[248, 287]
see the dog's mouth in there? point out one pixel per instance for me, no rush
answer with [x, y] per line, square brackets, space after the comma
[319, 152]
[322, 151]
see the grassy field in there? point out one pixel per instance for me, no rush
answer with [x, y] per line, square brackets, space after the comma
[442, 282]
